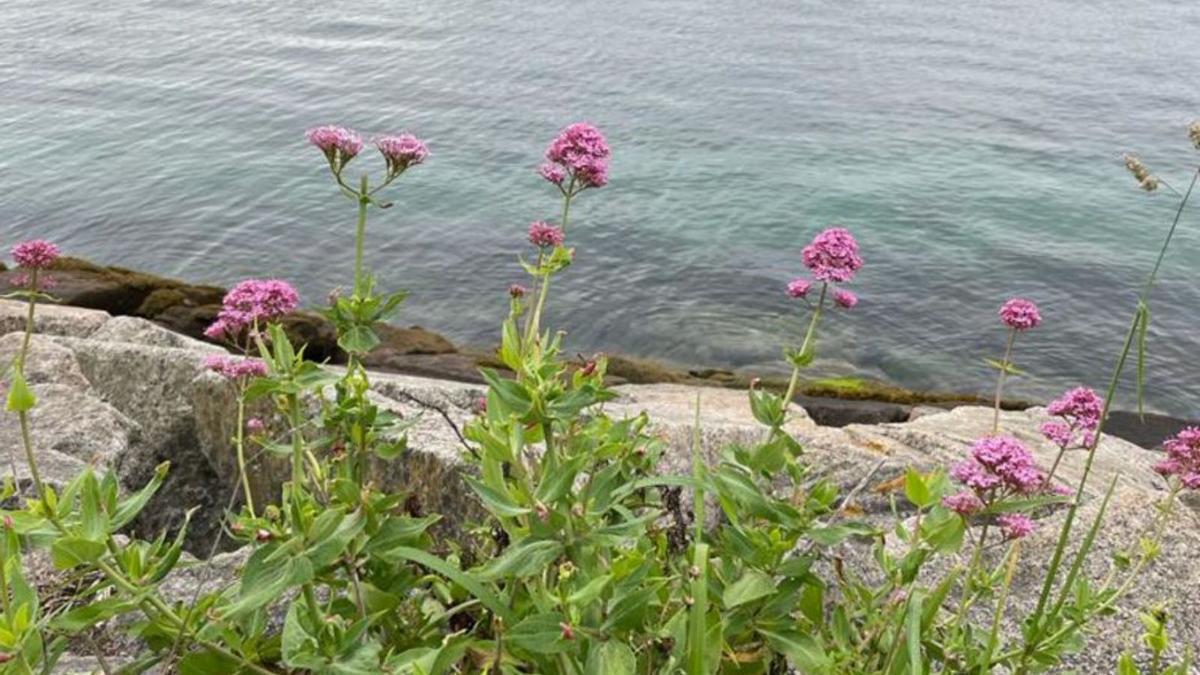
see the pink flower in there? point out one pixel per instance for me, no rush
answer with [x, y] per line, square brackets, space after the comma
[1015, 525]
[545, 235]
[218, 330]
[1020, 314]
[844, 298]
[402, 151]
[963, 503]
[552, 173]
[235, 368]
[1081, 404]
[1059, 433]
[1183, 458]
[255, 425]
[1000, 462]
[833, 255]
[36, 254]
[339, 144]
[517, 291]
[1079, 411]
[798, 288]
[256, 301]
[581, 152]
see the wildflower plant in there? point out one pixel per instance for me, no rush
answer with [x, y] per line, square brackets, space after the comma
[588, 559]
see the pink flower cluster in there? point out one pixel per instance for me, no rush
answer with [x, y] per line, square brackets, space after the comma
[251, 302]
[999, 463]
[339, 144]
[235, 368]
[1020, 314]
[963, 503]
[1079, 411]
[545, 235]
[799, 288]
[1015, 525]
[36, 254]
[579, 152]
[1183, 458]
[517, 291]
[402, 151]
[833, 255]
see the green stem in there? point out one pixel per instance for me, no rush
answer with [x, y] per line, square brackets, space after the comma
[240, 440]
[809, 339]
[1074, 624]
[19, 365]
[1118, 369]
[969, 578]
[1010, 571]
[27, 442]
[360, 235]
[297, 459]
[535, 319]
[33, 291]
[1012, 336]
[1054, 467]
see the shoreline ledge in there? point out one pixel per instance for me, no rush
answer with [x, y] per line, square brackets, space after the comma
[188, 309]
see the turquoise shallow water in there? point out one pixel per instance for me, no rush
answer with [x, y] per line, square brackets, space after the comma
[974, 148]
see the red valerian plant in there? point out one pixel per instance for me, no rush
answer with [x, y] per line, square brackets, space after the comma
[588, 560]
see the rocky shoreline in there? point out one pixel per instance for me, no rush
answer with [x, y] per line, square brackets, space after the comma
[187, 309]
[124, 394]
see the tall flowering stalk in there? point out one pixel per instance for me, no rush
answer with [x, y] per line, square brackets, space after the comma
[1019, 315]
[1134, 337]
[355, 315]
[576, 160]
[83, 530]
[33, 258]
[245, 311]
[832, 258]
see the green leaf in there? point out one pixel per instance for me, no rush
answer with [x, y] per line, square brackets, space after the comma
[69, 552]
[836, 534]
[610, 658]
[497, 502]
[556, 483]
[510, 392]
[398, 532]
[1126, 666]
[87, 616]
[802, 651]
[206, 662]
[766, 407]
[540, 634]
[753, 585]
[913, 633]
[697, 647]
[467, 581]
[358, 339]
[917, 490]
[20, 397]
[131, 506]
[522, 560]
[590, 591]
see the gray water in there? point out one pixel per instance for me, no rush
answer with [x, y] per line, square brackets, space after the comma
[973, 148]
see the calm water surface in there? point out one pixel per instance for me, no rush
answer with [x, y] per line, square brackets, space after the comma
[972, 147]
